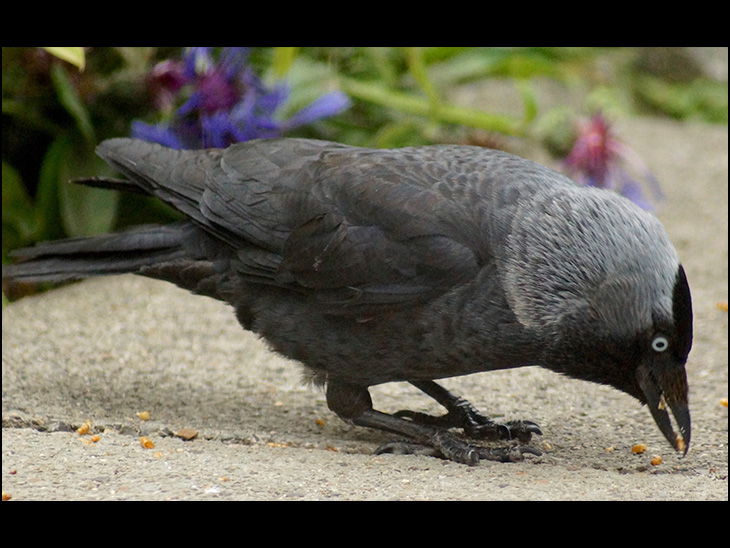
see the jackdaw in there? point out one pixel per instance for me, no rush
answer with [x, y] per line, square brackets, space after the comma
[413, 264]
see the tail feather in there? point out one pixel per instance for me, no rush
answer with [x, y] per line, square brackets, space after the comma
[180, 253]
[111, 183]
[108, 254]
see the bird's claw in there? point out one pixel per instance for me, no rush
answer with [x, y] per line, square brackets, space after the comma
[446, 446]
[511, 430]
[477, 425]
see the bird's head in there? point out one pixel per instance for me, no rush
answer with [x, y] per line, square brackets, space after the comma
[648, 361]
[597, 278]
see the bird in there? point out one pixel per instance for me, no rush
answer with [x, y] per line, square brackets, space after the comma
[415, 264]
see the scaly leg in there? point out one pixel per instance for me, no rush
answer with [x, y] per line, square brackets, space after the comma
[462, 414]
[352, 403]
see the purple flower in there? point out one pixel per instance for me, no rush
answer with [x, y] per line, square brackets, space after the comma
[164, 82]
[226, 102]
[599, 159]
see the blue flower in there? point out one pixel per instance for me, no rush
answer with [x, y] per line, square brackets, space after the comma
[599, 159]
[226, 102]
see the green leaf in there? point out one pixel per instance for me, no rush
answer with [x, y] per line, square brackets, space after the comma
[283, 59]
[84, 210]
[87, 211]
[47, 190]
[417, 68]
[14, 194]
[75, 56]
[71, 101]
[529, 100]
[20, 219]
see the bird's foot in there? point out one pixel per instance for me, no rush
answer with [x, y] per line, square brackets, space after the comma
[447, 446]
[429, 435]
[462, 414]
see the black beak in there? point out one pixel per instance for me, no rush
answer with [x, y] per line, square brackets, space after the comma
[667, 387]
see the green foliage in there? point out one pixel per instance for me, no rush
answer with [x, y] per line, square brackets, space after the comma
[69, 99]
[701, 99]
[21, 220]
[53, 117]
[75, 56]
[58, 103]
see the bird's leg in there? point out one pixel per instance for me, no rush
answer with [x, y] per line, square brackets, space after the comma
[462, 414]
[353, 404]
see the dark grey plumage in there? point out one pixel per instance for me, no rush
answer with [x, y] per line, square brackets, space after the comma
[412, 264]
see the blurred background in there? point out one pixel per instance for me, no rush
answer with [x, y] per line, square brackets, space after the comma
[560, 106]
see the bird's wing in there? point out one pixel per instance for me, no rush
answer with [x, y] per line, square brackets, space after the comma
[354, 227]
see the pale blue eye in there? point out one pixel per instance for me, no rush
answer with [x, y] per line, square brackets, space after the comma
[660, 343]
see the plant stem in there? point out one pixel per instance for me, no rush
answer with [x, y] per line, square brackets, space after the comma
[422, 106]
